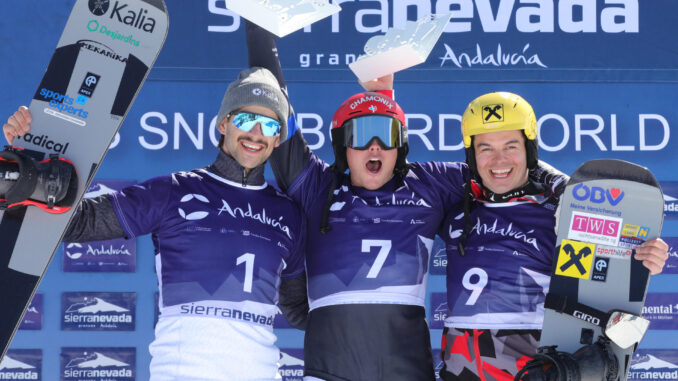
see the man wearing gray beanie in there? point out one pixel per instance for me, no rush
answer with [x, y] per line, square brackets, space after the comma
[224, 240]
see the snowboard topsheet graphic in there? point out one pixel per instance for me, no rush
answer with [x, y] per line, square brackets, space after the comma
[609, 207]
[103, 57]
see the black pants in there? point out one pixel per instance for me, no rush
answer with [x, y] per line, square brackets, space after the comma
[368, 342]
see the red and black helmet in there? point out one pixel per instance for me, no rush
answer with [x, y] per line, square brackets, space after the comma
[367, 116]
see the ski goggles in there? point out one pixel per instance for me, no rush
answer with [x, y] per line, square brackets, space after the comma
[359, 132]
[247, 120]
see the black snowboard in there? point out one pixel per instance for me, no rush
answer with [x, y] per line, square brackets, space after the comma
[103, 57]
[608, 208]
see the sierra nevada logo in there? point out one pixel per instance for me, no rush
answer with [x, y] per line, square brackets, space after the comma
[261, 216]
[21, 364]
[653, 365]
[114, 364]
[98, 311]
[291, 364]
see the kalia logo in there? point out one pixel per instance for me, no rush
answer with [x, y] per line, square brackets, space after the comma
[597, 195]
[121, 12]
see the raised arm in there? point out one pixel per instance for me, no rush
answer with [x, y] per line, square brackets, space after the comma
[291, 157]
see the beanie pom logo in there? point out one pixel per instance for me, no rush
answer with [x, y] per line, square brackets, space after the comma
[256, 91]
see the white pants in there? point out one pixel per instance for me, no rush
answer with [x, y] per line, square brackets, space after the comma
[203, 348]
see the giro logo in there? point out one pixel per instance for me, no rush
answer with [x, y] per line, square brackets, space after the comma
[493, 113]
[98, 7]
[72, 250]
[197, 215]
[586, 317]
[575, 259]
[597, 195]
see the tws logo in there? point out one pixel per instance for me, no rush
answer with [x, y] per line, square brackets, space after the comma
[597, 195]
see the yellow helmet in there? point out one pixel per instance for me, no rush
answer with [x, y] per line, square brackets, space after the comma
[499, 111]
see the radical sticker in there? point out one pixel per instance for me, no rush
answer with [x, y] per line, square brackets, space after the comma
[595, 228]
[575, 259]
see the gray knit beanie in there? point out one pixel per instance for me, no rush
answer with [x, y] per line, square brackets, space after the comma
[256, 86]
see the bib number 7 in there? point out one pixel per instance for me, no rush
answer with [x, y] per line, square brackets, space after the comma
[384, 249]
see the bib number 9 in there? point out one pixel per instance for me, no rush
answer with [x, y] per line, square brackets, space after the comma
[475, 284]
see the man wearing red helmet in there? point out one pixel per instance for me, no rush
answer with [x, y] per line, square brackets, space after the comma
[370, 235]
[366, 319]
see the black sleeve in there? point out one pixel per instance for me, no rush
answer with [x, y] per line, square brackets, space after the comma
[94, 220]
[262, 51]
[293, 301]
[289, 159]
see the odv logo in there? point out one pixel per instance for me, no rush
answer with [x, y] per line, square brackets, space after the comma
[597, 195]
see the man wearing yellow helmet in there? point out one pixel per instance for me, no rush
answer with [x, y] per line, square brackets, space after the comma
[500, 248]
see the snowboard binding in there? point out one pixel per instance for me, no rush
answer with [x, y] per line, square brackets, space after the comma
[51, 184]
[593, 362]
